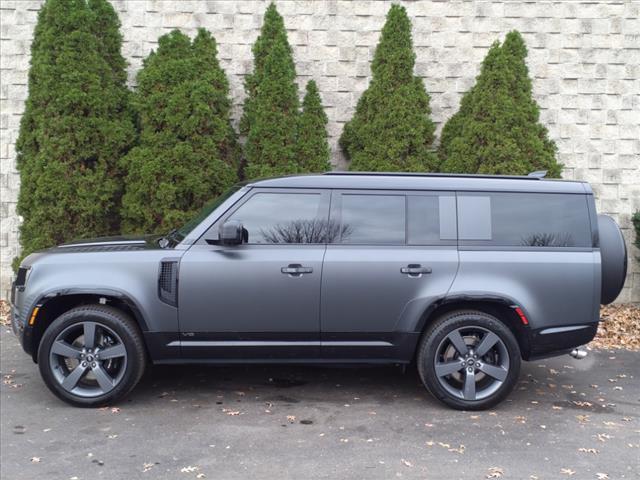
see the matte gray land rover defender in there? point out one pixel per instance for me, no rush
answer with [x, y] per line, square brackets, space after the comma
[465, 275]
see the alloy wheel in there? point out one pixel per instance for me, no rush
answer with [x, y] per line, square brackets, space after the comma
[471, 363]
[88, 359]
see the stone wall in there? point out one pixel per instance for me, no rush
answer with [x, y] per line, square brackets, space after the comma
[584, 58]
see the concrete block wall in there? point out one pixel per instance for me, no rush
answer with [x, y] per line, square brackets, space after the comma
[584, 58]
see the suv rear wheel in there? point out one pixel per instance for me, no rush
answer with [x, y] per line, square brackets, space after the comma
[92, 356]
[469, 360]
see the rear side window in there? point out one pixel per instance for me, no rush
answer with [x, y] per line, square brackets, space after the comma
[372, 219]
[524, 220]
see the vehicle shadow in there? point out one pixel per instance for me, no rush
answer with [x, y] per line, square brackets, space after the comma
[334, 385]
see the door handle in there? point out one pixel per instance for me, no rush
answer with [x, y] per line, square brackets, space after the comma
[415, 270]
[295, 270]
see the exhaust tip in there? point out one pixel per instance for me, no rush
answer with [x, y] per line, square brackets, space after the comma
[578, 353]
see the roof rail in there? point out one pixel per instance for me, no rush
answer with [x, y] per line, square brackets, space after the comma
[531, 176]
[538, 174]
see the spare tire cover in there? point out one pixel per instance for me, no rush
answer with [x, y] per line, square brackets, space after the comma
[613, 253]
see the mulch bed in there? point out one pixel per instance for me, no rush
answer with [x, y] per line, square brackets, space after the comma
[620, 327]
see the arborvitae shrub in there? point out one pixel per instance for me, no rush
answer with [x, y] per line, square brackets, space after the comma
[188, 152]
[391, 129]
[313, 147]
[75, 127]
[496, 130]
[272, 30]
[271, 142]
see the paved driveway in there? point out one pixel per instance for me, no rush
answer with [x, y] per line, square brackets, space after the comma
[566, 419]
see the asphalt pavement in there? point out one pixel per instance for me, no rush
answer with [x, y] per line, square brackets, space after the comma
[577, 419]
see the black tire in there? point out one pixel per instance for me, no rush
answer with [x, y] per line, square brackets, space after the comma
[437, 339]
[110, 323]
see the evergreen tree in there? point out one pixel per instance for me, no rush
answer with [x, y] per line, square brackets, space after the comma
[496, 130]
[313, 148]
[391, 129]
[272, 31]
[271, 142]
[75, 126]
[188, 152]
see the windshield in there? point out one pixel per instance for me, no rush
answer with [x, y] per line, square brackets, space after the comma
[209, 207]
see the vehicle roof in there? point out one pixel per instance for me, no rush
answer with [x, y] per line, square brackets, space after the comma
[424, 181]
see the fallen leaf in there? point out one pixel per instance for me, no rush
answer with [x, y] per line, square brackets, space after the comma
[146, 467]
[189, 469]
[495, 472]
[567, 471]
[36, 459]
[582, 418]
[291, 418]
[406, 463]
[589, 450]
[602, 476]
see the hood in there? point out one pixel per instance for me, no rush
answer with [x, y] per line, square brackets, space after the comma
[109, 244]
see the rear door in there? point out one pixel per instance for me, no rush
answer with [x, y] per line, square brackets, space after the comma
[392, 255]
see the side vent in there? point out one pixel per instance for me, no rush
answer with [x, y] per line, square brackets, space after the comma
[168, 282]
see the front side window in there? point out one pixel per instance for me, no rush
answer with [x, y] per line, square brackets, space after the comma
[275, 218]
[524, 220]
[372, 219]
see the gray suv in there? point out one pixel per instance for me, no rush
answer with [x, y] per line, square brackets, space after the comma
[464, 275]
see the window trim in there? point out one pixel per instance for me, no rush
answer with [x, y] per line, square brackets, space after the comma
[325, 200]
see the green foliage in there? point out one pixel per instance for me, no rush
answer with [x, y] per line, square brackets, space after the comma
[188, 152]
[272, 31]
[496, 130]
[391, 129]
[271, 112]
[271, 142]
[75, 127]
[313, 148]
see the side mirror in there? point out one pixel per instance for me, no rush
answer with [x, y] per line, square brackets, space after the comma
[231, 233]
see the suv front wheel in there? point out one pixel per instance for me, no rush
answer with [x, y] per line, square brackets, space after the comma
[469, 360]
[91, 356]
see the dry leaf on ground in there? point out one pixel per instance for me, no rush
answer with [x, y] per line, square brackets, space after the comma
[619, 328]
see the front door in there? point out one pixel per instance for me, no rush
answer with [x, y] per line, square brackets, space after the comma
[396, 254]
[261, 299]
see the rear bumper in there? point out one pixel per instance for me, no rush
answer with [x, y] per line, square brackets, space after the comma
[551, 342]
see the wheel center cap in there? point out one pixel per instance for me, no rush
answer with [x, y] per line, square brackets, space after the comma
[470, 361]
[89, 358]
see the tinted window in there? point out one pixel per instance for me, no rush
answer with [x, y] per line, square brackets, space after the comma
[524, 220]
[431, 219]
[373, 219]
[283, 218]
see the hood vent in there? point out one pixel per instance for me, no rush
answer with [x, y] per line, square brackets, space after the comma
[168, 282]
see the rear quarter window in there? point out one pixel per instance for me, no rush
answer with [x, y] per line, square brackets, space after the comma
[533, 220]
